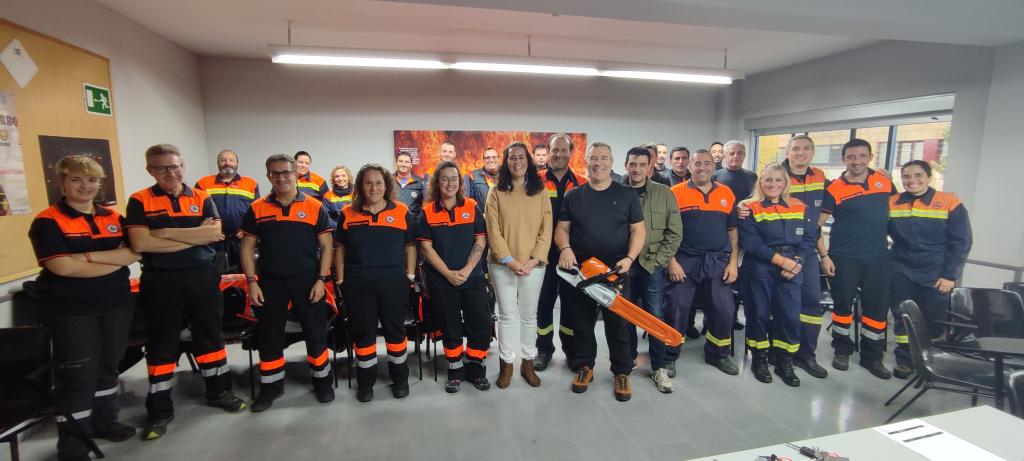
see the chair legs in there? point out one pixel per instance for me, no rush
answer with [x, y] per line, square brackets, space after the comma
[905, 405]
[974, 397]
[252, 376]
[15, 456]
[910, 382]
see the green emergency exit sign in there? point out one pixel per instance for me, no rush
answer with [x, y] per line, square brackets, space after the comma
[97, 100]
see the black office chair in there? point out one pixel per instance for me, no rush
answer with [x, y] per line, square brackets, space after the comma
[935, 368]
[993, 312]
[1016, 287]
[26, 386]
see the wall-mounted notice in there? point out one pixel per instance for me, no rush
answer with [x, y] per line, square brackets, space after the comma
[13, 185]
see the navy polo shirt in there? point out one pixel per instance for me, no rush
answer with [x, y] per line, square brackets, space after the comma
[287, 234]
[153, 208]
[452, 233]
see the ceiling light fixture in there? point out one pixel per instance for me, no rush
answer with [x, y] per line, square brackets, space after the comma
[669, 76]
[526, 68]
[357, 61]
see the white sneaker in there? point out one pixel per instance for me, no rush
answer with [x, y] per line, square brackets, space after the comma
[662, 381]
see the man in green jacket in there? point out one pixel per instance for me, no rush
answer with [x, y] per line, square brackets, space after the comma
[647, 277]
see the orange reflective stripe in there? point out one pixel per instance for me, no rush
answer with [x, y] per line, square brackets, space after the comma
[368, 350]
[476, 354]
[318, 360]
[212, 356]
[453, 353]
[842, 318]
[397, 347]
[271, 365]
[165, 369]
[872, 322]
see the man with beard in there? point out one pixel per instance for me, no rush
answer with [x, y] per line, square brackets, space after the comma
[480, 181]
[410, 187]
[233, 194]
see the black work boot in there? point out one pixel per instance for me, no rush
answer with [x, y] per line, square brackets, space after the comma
[841, 362]
[760, 367]
[784, 368]
[876, 368]
[811, 366]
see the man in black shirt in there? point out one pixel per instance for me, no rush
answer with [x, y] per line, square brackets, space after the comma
[602, 219]
[739, 179]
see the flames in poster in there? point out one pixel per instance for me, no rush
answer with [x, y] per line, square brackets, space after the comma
[424, 145]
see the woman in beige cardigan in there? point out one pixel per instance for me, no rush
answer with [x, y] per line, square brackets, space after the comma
[518, 216]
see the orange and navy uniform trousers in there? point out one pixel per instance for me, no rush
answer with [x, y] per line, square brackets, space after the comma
[178, 289]
[771, 303]
[704, 254]
[89, 319]
[336, 199]
[375, 286]
[233, 199]
[553, 285]
[809, 188]
[313, 185]
[289, 266]
[464, 310]
[858, 248]
[931, 237]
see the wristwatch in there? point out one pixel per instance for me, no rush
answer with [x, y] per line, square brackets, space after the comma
[412, 277]
[324, 278]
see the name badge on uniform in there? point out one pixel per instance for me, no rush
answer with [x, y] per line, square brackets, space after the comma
[413, 194]
[799, 231]
[817, 203]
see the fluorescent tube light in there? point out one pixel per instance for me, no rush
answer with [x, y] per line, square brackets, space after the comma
[525, 68]
[356, 61]
[668, 76]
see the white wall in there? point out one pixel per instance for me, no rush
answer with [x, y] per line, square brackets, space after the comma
[348, 115]
[885, 72]
[155, 83]
[997, 216]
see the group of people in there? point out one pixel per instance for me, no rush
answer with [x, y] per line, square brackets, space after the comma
[683, 229]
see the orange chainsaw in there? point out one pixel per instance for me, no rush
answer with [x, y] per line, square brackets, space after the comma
[597, 281]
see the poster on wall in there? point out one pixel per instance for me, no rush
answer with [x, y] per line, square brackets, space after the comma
[53, 148]
[423, 146]
[13, 185]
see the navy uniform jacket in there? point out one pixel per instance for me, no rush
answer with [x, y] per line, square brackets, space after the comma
[931, 236]
[782, 228]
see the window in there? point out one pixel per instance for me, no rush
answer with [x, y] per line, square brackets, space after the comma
[911, 141]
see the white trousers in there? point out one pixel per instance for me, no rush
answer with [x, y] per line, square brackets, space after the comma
[517, 298]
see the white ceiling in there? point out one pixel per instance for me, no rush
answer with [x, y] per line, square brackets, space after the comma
[750, 35]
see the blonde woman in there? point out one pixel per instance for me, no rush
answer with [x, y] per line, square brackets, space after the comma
[340, 193]
[518, 219]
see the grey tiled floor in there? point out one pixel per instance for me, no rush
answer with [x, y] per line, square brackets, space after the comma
[708, 413]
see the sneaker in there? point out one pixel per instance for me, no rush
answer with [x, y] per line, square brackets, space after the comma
[364, 394]
[784, 368]
[541, 361]
[452, 386]
[692, 332]
[228, 402]
[671, 367]
[759, 367]
[623, 390]
[324, 394]
[662, 381]
[481, 384]
[876, 368]
[841, 362]
[811, 366]
[400, 390]
[902, 371]
[114, 432]
[724, 364]
[155, 429]
[264, 401]
[582, 380]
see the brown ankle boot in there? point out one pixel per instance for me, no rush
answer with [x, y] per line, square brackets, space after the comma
[504, 375]
[526, 369]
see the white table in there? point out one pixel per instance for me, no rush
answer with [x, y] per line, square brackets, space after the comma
[988, 428]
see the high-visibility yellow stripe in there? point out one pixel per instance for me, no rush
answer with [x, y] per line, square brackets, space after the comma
[230, 191]
[902, 339]
[546, 330]
[310, 185]
[755, 344]
[345, 199]
[812, 319]
[919, 213]
[791, 348]
[777, 216]
[800, 188]
[565, 330]
[718, 342]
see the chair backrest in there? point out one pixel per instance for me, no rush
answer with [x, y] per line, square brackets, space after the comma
[997, 313]
[921, 348]
[1016, 287]
[1015, 384]
[23, 351]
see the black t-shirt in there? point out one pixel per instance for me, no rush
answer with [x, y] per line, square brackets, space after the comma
[62, 231]
[599, 221]
[740, 181]
[153, 208]
[452, 234]
[861, 213]
[374, 243]
[288, 235]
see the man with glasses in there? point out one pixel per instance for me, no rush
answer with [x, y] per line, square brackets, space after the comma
[175, 227]
[293, 233]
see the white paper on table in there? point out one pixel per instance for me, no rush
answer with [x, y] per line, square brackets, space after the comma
[934, 443]
[17, 61]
